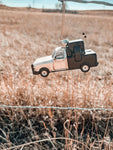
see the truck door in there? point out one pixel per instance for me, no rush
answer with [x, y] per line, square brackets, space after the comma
[77, 53]
[60, 60]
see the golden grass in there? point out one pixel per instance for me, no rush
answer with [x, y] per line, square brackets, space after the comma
[24, 36]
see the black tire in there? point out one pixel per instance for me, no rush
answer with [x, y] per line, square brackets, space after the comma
[44, 72]
[85, 68]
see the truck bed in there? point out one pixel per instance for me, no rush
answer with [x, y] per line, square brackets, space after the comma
[89, 52]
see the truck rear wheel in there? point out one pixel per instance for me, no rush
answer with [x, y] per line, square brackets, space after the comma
[85, 68]
[44, 72]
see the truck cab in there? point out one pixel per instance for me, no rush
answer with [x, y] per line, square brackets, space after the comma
[72, 56]
[59, 59]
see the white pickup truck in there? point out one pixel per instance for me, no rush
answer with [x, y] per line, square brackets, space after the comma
[72, 56]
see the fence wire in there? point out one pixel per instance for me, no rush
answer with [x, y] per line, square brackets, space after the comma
[60, 108]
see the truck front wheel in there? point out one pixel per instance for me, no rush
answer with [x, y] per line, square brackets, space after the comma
[44, 72]
[85, 68]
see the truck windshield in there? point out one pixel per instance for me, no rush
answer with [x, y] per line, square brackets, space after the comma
[56, 50]
[53, 55]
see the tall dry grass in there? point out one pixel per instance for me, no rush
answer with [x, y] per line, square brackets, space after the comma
[24, 36]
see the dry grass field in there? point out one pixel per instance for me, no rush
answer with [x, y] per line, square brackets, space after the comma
[27, 35]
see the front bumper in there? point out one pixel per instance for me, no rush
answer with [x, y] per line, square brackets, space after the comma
[33, 70]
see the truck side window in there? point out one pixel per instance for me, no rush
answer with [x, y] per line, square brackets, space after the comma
[60, 55]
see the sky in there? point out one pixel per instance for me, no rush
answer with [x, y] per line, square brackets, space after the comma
[52, 3]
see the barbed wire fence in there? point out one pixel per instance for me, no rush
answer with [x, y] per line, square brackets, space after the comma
[59, 108]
